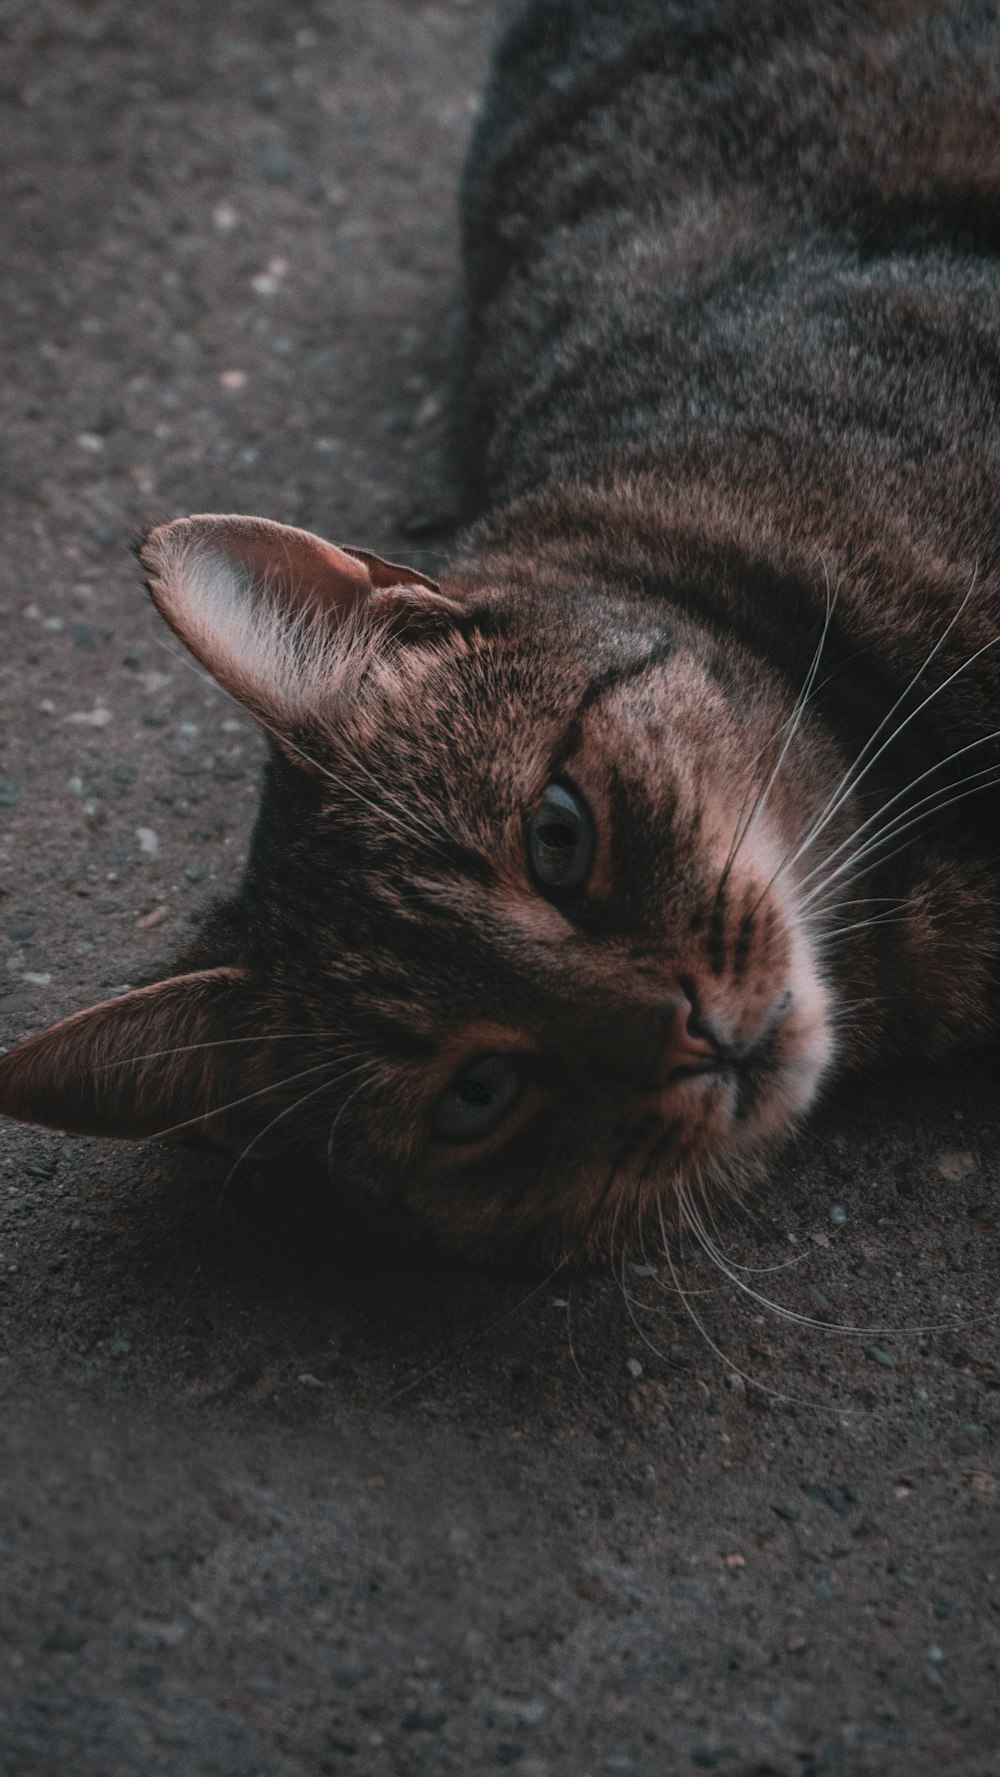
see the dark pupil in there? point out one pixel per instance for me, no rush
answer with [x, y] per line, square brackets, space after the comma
[474, 1092]
[557, 837]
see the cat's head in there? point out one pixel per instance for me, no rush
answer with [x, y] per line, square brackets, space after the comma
[514, 957]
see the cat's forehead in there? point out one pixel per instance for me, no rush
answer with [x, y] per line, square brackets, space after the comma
[479, 707]
[491, 697]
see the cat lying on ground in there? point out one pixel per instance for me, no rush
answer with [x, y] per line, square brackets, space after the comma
[579, 876]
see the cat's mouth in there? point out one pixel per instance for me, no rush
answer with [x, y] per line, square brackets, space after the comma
[725, 1093]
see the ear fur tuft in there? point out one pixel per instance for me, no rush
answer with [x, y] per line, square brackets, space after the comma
[269, 609]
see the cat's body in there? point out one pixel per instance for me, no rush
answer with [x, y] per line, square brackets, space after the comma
[576, 878]
[734, 339]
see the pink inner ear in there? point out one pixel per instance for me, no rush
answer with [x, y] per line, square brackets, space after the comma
[389, 573]
[298, 568]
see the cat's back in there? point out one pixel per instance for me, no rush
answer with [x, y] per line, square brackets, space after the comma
[696, 230]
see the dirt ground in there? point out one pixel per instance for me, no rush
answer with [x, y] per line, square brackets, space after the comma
[271, 1504]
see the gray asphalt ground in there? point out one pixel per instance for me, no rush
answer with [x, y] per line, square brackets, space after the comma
[273, 1504]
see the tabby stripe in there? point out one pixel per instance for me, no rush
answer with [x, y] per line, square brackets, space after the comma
[605, 682]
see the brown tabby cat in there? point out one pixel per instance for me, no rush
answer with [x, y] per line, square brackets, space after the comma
[577, 877]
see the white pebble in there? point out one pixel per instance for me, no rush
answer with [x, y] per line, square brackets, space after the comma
[98, 718]
[954, 1166]
[149, 842]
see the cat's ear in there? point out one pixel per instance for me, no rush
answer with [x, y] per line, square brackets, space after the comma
[153, 1062]
[265, 607]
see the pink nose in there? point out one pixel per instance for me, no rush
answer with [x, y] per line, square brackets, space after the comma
[688, 1047]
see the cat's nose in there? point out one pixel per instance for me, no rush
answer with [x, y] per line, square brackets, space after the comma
[688, 1047]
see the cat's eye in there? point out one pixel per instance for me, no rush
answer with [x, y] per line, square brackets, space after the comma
[478, 1100]
[560, 841]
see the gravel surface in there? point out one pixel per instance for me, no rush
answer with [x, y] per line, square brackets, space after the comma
[271, 1504]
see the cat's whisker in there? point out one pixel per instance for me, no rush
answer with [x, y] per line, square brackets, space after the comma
[914, 784]
[794, 724]
[902, 823]
[324, 1086]
[779, 1309]
[833, 937]
[278, 1036]
[641, 1334]
[219, 1110]
[570, 1341]
[789, 1264]
[748, 1380]
[862, 765]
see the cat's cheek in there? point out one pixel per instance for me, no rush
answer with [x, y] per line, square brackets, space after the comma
[805, 1048]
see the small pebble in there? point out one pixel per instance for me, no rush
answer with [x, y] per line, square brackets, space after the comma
[838, 1214]
[154, 917]
[277, 166]
[149, 842]
[10, 792]
[878, 1356]
[958, 1165]
[634, 1367]
[96, 718]
[233, 379]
